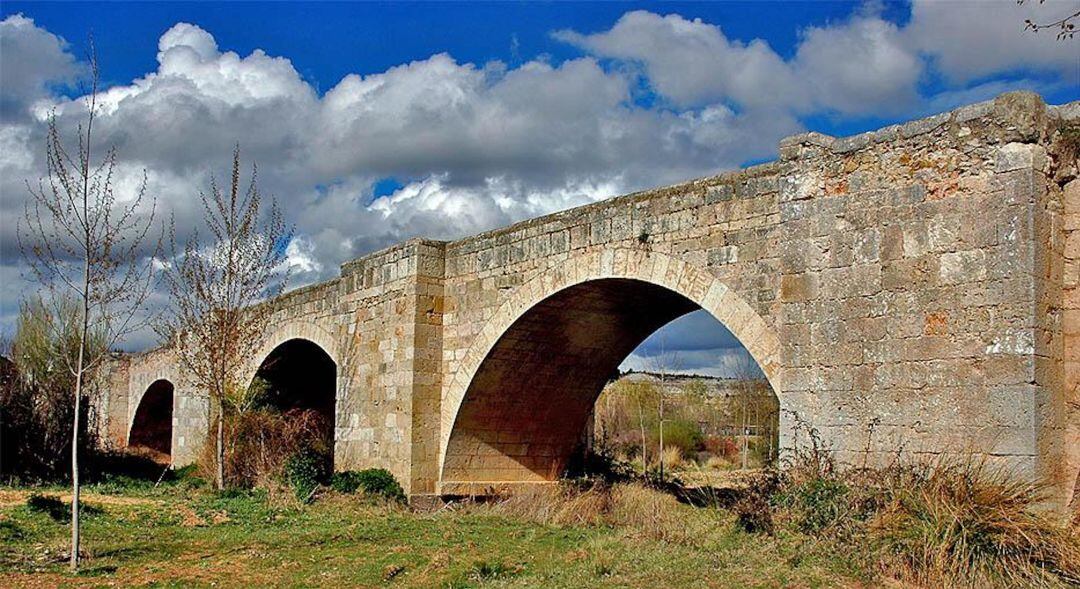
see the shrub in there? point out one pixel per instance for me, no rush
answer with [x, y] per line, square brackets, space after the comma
[303, 471]
[36, 398]
[673, 457]
[378, 482]
[754, 506]
[346, 481]
[259, 442]
[718, 463]
[966, 523]
[722, 446]
[955, 522]
[683, 434]
[816, 504]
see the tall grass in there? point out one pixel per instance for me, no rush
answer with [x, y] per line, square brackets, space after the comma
[955, 521]
[963, 522]
[952, 522]
[635, 507]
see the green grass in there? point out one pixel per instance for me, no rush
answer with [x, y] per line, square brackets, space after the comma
[176, 535]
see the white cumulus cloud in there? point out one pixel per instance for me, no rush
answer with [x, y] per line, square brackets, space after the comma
[473, 146]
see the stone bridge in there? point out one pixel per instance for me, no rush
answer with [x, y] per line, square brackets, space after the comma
[910, 290]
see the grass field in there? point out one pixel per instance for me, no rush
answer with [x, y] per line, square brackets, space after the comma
[177, 535]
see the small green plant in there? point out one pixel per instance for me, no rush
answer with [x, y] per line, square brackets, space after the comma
[377, 482]
[303, 472]
[486, 571]
[10, 531]
[817, 503]
[346, 482]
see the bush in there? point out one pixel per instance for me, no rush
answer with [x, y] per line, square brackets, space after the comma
[377, 482]
[684, 435]
[955, 522]
[816, 504]
[723, 446]
[346, 481]
[36, 398]
[303, 472]
[754, 506]
[966, 523]
[258, 443]
[673, 458]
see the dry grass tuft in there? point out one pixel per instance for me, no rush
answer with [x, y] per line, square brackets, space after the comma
[559, 504]
[635, 507]
[673, 457]
[966, 523]
[654, 514]
[955, 522]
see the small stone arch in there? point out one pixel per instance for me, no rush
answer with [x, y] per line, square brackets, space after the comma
[694, 283]
[151, 425]
[301, 330]
[301, 365]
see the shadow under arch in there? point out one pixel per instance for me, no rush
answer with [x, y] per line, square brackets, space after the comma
[152, 425]
[301, 375]
[518, 403]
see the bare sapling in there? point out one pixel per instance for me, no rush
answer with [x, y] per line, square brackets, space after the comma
[87, 244]
[222, 292]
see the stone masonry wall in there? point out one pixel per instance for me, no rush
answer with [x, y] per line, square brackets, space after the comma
[911, 290]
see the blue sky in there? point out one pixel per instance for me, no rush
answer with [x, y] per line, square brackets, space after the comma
[327, 41]
[373, 122]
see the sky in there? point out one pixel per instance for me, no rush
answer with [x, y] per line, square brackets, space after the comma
[372, 123]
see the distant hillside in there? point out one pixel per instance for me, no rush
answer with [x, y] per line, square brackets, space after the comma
[714, 386]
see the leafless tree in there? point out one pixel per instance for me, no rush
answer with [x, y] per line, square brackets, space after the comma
[222, 294]
[84, 244]
[1066, 28]
[664, 364]
[753, 405]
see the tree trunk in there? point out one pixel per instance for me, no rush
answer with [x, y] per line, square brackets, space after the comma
[75, 471]
[644, 442]
[745, 426]
[80, 373]
[661, 434]
[221, 449]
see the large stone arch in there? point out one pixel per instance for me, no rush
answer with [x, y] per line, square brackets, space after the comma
[159, 366]
[663, 271]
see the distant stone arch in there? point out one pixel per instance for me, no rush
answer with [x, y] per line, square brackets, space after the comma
[152, 422]
[645, 289]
